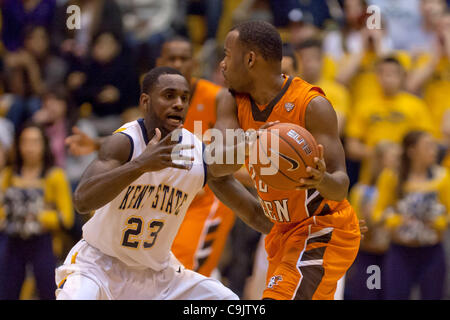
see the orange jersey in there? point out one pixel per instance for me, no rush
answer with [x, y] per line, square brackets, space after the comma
[202, 106]
[202, 235]
[288, 106]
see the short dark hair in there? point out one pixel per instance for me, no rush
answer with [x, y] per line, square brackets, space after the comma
[262, 37]
[151, 77]
[309, 43]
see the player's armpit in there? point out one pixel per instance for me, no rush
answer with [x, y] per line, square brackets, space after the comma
[321, 122]
[233, 194]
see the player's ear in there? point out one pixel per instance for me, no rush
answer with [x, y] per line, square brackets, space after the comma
[159, 62]
[144, 102]
[251, 57]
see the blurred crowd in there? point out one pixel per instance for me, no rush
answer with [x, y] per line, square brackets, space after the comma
[387, 76]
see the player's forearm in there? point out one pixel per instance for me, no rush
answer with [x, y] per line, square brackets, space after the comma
[96, 191]
[334, 186]
[225, 161]
[242, 202]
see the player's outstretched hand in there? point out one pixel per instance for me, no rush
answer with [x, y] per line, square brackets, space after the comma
[316, 174]
[80, 143]
[160, 153]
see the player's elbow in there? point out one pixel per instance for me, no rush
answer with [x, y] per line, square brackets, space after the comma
[80, 204]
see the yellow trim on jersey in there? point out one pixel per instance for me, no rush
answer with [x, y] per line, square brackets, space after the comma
[74, 257]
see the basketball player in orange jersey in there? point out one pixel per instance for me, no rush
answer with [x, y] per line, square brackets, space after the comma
[202, 236]
[316, 235]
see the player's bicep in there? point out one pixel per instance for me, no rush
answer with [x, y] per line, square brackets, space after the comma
[321, 121]
[226, 111]
[114, 151]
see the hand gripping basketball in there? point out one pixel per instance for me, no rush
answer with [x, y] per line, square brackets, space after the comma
[317, 173]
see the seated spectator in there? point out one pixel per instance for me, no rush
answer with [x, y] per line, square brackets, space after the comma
[17, 15]
[388, 117]
[36, 202]
[415, 204]
[375, 243]
[311, 64]
[111, 84]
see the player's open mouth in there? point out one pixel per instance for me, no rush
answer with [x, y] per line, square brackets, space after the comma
[174, 120]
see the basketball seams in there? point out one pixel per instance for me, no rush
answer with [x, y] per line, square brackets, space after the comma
[292, 147]
[278, 169]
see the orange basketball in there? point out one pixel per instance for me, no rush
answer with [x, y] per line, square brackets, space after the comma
[281, 155]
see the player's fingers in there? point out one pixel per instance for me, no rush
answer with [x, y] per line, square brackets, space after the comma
[268, 124]
[173, 137]
[179, 166]
[309, 182]
[156, 137]
[177, 156]
[314, 172]
[320, 147]
[320, 164]
[173, 148]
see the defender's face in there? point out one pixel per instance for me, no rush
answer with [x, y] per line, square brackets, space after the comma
[167, 103]
[177, 55]
[232, 64]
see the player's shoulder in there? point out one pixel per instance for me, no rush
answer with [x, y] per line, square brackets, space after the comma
[128, 125]
[206, 87]
[300, 89]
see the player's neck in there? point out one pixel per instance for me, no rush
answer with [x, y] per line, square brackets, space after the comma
[264, 89]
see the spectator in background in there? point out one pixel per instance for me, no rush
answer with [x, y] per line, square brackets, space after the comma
[147, 24]
[414, 204]
[23, 86]
[430, 76]
[52, 69]
[311, 63]
[111, 83]
[375, 243]
[17, 15]
[289, 62]
[36, 202]
[356, 49]
[403, 22]
[97, 16]
[388, 117]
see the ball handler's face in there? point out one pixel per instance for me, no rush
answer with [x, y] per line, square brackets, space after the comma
[233, 68]
[166, 104]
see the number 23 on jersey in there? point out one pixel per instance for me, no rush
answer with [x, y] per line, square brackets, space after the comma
[132, 234]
